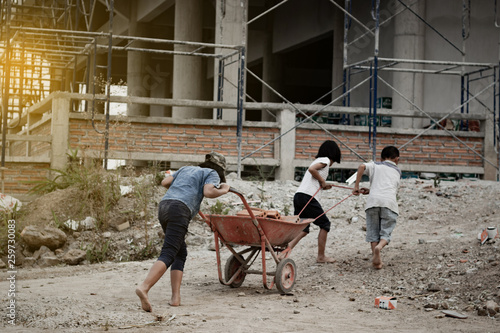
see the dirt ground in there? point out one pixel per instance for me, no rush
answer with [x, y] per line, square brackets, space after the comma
[435, 262]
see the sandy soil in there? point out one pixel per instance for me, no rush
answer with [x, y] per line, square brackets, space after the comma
[434, 262]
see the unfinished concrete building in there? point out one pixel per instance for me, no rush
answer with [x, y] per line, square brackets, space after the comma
[263, 81]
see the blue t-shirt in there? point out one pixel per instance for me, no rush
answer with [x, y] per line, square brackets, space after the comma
[188, 184]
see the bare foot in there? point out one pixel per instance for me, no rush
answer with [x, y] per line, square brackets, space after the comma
[146, 306]
[325, 260]
[377, 260]
[175, 300]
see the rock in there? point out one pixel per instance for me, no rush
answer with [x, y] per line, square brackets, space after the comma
[122, 226]
[29, 261]
[35, 237]
[492, 308]
[433, 287]
[48, 261]
[74, 256]
[48, 254]
[19, 257]
[482, 312]
[41, 251]
[193, 240]
[27, 253]
[471, 271]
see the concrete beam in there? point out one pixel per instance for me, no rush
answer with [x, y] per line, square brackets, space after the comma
[149, 10]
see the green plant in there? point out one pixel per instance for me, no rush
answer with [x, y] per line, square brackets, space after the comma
[147, 252]
[436, 181]
[219, 208]
[286, 210]
[58, 223]
[99, 189]
[263, 177]
[97, 253]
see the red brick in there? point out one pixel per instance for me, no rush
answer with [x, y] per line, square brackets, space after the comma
[177, 144]
[152, 150]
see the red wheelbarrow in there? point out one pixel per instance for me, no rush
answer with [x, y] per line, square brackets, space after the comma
[259, 234]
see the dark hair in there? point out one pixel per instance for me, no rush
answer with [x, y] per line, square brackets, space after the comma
[218, 169]
[389, 152]
[329, 149]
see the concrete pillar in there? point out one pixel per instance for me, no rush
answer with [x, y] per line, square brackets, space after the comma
[490, 172]
[161, 84]
[60, 132]
[188, 70]
[286, 170]
[230, 29]
[408, 44]
[137, 63]
[271, 69]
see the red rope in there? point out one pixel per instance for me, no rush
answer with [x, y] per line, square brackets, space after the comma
[338, 203]
[309, 201]
[349, 188]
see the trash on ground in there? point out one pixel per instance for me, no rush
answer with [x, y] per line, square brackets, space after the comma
[454, 314]
[386, 302]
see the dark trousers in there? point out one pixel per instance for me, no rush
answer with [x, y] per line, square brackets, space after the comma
[174, 218]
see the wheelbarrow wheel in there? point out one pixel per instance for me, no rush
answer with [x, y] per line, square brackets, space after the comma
[286, 272]
[232, 265]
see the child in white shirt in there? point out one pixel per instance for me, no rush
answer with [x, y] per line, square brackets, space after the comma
[381, 206]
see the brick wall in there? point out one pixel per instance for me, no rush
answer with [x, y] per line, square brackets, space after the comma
[438, 148]
[168, 138]
[18, 175]
[145, 138]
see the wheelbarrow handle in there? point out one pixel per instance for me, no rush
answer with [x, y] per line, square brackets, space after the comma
[232, 189]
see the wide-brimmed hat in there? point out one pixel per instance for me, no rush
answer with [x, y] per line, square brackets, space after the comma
[217, 159]
[217, 162]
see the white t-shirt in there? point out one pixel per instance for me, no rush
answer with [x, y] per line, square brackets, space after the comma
[384, 185]
[309, 184]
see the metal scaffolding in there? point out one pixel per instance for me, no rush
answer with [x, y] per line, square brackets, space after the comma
[372, 66]
[469, 72]
[44, 43]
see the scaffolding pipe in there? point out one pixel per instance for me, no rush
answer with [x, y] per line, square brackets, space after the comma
[375, 77]
[345, 53]
[307, 117]
[453, 111]
[267, 11]
[436, 123]
[241, 89]
[108, 82]
[220, 86]
[352, 17]
[6, 87]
